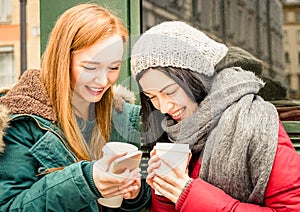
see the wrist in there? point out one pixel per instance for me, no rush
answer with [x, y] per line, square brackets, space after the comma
[184, 193]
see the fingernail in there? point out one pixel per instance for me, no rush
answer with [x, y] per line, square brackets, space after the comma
[150, 175]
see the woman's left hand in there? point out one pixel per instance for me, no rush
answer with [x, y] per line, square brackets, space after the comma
[171, 185]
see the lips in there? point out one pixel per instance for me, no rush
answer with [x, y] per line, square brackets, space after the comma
[95, 90]
[177, 114]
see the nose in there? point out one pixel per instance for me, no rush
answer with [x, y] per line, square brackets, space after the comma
[165, 105]
[101, 78]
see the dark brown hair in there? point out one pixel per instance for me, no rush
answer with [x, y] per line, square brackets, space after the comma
[191, 82]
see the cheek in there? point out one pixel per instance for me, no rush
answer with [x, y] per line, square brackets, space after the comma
[79, 77]
[180, 99]
[183, 100]
[113, 77]
[191, 104]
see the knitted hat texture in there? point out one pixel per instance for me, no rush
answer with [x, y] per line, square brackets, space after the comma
[176, 44]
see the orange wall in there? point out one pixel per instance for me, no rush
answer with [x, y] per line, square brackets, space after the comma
[9, 32]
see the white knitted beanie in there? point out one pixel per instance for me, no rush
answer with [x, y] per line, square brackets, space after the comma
[176, 44]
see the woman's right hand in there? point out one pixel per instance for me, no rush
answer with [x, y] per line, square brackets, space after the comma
[110, 185]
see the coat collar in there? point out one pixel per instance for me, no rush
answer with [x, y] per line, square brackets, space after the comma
[3, 125]
[29, 96]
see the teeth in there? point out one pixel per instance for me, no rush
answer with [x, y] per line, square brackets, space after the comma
[96, 89]
[177, 113]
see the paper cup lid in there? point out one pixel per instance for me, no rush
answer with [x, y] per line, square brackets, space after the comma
[118, 147]
[172, 147]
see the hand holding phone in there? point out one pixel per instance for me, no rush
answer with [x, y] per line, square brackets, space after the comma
[130, 161]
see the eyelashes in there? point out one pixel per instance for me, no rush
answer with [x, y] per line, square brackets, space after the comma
[95, 68]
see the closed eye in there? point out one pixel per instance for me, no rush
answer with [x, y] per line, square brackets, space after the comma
[89, 68]
[114, 68]
[171, 92]
[149, 96]
[152, 97]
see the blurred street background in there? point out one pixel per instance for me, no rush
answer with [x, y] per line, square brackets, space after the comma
[268, 29]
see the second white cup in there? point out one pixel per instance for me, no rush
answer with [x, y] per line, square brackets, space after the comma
[175, 155]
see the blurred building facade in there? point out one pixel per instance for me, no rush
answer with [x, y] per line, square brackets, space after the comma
[254, 25]
[291, 45]
[10, 39]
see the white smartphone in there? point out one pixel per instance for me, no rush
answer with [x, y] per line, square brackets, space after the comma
[129, 161]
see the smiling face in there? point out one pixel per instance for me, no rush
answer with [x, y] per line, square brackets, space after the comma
[166, 95]
[94, 70]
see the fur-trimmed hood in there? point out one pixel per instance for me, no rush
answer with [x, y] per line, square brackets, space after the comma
[3, 125]
[29, 96]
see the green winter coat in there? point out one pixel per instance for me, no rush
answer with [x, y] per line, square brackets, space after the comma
[33, 142]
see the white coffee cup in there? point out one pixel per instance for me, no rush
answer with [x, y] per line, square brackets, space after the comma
[112, 148]
[111, 202]
[175, 155]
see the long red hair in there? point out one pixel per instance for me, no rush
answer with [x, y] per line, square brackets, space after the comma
[78, 28]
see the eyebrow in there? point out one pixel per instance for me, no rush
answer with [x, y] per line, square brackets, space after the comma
[162, 88]
[97, 63]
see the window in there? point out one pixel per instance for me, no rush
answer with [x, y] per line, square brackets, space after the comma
[7, 73]
[5, 11]
[298, 17]
[298, 85]
[298, 90]
[285, 17]
[288, 79]
[298, 36]
[287, 57]
[285, 37]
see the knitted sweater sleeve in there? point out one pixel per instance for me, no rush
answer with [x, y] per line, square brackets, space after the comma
[126, 124]
[282, 193]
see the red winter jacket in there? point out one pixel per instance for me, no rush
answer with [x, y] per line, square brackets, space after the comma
[282, 193]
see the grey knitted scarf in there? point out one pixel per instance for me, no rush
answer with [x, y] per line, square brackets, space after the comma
[237, 132]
